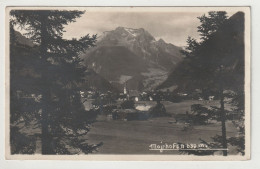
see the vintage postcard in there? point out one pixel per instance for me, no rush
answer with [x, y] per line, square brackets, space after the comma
[128, 83]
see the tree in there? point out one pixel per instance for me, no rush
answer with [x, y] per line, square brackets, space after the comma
[128, 104]
[216, 64]
[22, 82]
[239, 140]
[59, 70]
[211, 23]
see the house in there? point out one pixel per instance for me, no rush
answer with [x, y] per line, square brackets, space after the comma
[200, 98]
[133, 95]
[211, 98]
[182, 94]
[122, 97]
[82, 93]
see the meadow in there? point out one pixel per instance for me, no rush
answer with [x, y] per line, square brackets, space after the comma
[135, 137]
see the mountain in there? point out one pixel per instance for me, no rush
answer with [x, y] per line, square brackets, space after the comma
[23, 40]
[92, 79]
[134, 57]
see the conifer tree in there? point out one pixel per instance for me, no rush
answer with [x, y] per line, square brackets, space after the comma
[59, 69]
[216, 65]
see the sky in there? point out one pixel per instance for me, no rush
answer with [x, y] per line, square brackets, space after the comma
[172, 26]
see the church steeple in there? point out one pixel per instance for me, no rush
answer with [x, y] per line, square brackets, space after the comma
[125, 91]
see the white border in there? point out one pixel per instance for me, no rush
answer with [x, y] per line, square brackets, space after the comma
[5, 164]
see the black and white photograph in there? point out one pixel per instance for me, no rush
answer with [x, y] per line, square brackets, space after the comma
[142, 82]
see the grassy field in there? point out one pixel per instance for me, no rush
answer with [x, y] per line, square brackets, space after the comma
[135, 137]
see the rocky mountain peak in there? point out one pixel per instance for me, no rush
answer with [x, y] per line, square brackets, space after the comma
[161, 41]
[124, 34]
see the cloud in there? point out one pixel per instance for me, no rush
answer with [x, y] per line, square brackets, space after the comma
[173, 27]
